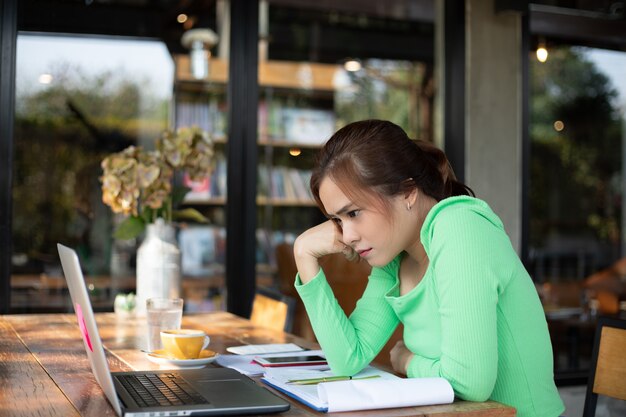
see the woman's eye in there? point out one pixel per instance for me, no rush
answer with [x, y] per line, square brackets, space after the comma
[337, 221]
[353, 213]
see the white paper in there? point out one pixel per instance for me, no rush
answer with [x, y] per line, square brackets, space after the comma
[244, 363]
[376, 393]
[262, 349]
[241, 363]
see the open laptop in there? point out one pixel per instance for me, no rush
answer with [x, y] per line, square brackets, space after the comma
[206, 391]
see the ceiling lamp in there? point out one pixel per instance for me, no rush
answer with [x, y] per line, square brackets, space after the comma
[352, 65]
[199, 42]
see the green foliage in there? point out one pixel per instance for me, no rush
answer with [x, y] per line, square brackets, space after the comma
[189, 214]
[130, 228]
[386, 90]
[573, 171]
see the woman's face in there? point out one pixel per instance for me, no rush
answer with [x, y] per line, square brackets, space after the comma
[377, 236]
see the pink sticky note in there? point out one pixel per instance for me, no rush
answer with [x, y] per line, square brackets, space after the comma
[83, 326]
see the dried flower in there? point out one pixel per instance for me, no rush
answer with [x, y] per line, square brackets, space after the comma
[139, 183]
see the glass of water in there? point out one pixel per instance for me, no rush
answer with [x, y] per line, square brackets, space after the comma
[162, 314]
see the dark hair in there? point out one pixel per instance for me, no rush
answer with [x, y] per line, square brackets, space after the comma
[378, 155]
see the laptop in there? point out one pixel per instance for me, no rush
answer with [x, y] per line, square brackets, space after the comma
[201, 392]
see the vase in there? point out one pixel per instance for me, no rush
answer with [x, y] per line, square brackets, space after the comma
[158, 265]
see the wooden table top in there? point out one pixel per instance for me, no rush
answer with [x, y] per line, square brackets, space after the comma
[44, 370]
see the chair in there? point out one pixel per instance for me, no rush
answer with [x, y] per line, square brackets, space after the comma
[271, 309]
[607, 287]
[608, 374]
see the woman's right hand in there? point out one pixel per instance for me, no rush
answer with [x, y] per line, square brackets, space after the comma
[316, 242]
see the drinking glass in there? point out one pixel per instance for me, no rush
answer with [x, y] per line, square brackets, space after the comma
[162, 314]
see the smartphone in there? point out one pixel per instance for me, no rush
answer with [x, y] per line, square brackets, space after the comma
[296, 360]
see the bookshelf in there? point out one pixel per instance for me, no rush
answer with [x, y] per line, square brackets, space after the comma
[296, 116]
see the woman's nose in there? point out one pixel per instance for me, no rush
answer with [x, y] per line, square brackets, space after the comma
[349, 235]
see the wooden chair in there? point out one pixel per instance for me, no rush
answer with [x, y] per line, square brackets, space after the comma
[608, 374]
[273, 310]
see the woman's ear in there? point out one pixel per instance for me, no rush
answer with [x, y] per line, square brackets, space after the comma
[410, 196]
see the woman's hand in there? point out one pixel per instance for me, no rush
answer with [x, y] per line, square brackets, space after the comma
[316, 242]
[400, 357]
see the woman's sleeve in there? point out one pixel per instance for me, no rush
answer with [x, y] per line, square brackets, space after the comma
[470, 257]
[350, 344]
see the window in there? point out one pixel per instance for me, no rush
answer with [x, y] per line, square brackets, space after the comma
[77, 100]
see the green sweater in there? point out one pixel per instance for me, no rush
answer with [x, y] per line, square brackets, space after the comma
[475, 318]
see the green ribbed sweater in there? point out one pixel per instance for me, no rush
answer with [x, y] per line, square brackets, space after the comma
[475, 318]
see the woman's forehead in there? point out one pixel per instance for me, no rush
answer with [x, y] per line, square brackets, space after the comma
[332, 196]
[336, 197]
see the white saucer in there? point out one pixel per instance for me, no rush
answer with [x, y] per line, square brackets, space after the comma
[206, 357]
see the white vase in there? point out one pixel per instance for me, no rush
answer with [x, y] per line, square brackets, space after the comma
[158, 265]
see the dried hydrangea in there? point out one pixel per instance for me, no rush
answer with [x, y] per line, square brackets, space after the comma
[134, 179]
[120, 190]
[190, 149]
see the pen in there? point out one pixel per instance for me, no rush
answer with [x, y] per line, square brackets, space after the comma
[313, 381]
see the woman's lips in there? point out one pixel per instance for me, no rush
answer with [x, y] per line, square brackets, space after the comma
[364, 253]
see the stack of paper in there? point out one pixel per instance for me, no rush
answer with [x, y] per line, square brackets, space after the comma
[245, 364]
[263, 349]
[378, 389]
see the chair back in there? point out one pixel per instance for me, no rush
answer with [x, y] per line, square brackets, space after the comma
[608, 372]
[273, 310]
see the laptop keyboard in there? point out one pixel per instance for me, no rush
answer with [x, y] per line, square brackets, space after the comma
[152, 390]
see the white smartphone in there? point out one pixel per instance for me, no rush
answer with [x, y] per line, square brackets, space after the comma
[296, 360]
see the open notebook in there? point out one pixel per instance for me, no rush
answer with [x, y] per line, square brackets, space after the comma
[380, 389]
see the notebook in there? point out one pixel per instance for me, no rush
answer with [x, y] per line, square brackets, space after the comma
[202, 392]
[369, 389]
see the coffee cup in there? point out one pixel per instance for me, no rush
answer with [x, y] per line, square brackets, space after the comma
[184, 343]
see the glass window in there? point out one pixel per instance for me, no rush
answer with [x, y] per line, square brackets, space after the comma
[578, 99]
[78, 99]
[577, 132]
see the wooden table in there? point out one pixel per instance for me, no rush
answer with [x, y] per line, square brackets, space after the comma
[44, 369]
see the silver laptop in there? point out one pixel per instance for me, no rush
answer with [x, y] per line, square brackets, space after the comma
[202, 392]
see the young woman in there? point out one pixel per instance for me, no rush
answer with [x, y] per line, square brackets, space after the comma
[442, 265]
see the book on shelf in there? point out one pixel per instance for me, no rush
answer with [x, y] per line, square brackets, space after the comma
[288, 187]
[307, 126]
[201, 250]
[267, 240]
[209, 114]
[283, 183]
[303, 192]
[371, 388]
[211, 186]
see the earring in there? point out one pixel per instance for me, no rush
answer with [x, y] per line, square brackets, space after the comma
[408, 206]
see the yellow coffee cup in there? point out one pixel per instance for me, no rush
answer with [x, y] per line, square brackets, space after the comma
[184, 343]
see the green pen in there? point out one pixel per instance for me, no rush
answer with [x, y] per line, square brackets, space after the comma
[313, 381]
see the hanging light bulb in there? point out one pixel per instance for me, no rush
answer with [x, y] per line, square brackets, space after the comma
[352, 65]
[558, 125]
[542, 52]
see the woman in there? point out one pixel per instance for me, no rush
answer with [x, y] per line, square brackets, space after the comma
[442, 265]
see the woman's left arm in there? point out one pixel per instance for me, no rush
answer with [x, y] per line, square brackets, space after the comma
[470, 259]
